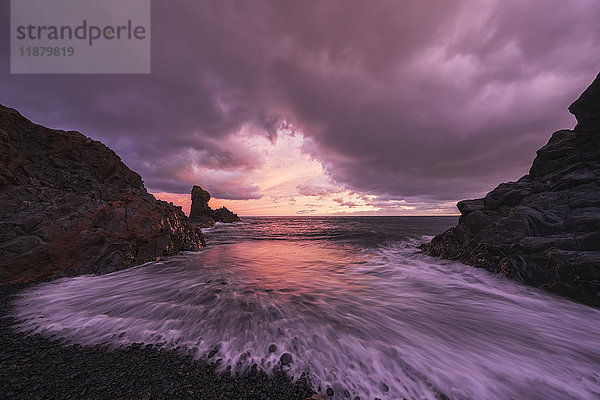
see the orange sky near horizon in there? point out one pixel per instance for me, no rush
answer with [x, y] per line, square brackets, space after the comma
[291, 182]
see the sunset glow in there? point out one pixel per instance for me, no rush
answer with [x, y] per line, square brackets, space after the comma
[286, 199]
[291, 182]
[274, 116]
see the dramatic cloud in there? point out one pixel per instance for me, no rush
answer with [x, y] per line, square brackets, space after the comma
[417, 104]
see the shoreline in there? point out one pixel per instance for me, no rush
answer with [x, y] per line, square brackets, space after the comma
[40, 368]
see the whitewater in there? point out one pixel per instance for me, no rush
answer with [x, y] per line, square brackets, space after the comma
[350, 298]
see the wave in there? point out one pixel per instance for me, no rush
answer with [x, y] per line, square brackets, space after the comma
[386, 322]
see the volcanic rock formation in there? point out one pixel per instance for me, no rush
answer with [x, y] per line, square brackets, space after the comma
[68, 205]
[544, 229]
[203, 215]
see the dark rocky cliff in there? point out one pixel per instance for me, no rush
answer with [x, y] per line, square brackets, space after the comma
[544, 229]
[203, 215]
[68, 205]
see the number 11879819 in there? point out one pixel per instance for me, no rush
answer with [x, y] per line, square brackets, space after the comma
[46, 51]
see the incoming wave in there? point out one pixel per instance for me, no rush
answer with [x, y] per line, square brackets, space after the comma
[387, 322]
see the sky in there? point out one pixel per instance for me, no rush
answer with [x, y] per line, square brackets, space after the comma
[331, 107]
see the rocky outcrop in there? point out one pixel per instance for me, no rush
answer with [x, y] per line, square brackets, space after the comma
[203, 215]
[68, 205]
[224, 215]
[200, 212]
[544, 229]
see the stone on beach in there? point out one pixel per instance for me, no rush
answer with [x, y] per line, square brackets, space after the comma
[286, 359]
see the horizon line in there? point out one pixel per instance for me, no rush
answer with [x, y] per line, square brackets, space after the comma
[331, 215]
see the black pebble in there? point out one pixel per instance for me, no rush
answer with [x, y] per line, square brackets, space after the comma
[33, 367]
[346, 393]
[272, 348]
[329, 392]
[286, 358]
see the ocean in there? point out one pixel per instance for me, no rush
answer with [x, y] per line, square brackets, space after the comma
[351, 299]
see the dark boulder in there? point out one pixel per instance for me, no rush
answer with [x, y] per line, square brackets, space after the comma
[544, 229]
[286, 359]
[68, 205]
[203, 215]
[224, 215]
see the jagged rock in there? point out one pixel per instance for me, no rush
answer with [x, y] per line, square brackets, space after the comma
[200, 212]
[68, 205]
[224, 215]
[203, 215]
[544, 229]
[587, 109]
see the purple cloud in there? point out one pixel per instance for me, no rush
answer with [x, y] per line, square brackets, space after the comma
[428, 101]
[342, 202]
[316, 190]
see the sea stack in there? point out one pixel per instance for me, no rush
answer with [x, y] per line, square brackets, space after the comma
[544, 229]
[203, 215]
[69, 205]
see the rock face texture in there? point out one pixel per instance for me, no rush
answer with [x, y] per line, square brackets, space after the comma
[544, 229]
[203, 215]
[68, 205]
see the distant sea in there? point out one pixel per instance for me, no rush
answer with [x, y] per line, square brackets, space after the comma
[351, 299]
